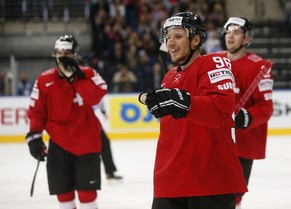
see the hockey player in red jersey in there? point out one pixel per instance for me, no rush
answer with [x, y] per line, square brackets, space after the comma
[251, 121]
[61, 103]
[196, 165]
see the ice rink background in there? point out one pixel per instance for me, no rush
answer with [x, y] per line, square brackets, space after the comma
[270, 183]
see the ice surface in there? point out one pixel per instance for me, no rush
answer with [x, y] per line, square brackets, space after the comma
[270, 183]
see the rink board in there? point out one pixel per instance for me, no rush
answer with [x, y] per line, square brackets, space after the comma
[128, 119]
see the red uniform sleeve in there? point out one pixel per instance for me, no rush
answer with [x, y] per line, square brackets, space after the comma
[260, 104]
[213, 104]
[92, 89]
[37, 111]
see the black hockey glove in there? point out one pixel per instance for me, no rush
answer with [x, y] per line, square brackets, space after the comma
[70, 69]
[155, 102]
[164, 101]
[181, 102]
[243, 119]
[36, 145]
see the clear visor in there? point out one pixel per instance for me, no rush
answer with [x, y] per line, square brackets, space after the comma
[170, 23]
[63, 45]
[164, 32]
[231, 28]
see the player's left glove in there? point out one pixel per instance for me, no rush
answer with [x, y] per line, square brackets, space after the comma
[70, 69]
[164, 101]
[243, 119]
[182, 102]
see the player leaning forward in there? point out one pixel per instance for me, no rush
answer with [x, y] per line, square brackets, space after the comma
[196, 166]
[61, 103]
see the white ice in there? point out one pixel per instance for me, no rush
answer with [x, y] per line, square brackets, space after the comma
[269, 187]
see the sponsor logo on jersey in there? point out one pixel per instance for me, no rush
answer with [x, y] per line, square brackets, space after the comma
[220, 75]
[268, 96]
[254, 58]
[92, 181]
[49, 84]
[49, 71]
[225, 86]
[266, 85]
[177, 77]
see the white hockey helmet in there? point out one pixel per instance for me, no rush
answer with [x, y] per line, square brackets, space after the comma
[66, 42]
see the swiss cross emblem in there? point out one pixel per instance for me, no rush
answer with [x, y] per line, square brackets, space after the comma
[78, 99]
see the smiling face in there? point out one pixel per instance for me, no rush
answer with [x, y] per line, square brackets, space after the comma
[235, 38]
[178, 44]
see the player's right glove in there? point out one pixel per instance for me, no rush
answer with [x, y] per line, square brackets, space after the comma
[243, 119]
[164, 101]
[156, 102]
[37, 147]
[70, 69]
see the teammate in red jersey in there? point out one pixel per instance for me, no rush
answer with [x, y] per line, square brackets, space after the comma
[251, 121]
[196, 165]
[61, 103]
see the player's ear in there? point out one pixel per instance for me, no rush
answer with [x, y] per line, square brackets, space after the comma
[247, 40]
[195, 41]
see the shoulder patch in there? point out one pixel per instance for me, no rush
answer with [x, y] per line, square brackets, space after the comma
[254, 57]
[86, 67]
[219, 75]
[266, 85]
[49, 71]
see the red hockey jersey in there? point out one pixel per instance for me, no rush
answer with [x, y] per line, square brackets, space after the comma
[65, 110]
[196, 155]
[251, 142]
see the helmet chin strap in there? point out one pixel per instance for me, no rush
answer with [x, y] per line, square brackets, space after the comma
[188, 59]
[241, 46]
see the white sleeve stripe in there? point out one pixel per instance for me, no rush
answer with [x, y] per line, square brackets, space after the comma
[98, 80]
[35, 93]
[32, 103]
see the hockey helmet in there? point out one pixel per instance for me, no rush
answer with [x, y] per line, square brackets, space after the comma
[240, 22]
[66, 42]
[188, 20]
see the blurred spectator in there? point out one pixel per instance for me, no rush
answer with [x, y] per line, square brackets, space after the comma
[144, 71]
[117, 55]
[287, 12]
[24, 86]
[122, 31]
[124, 80]
[117, 9]
[157, 75]
[99, 13]
[127, 32]
[218, 13]
[212, 43]
[131, 13]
